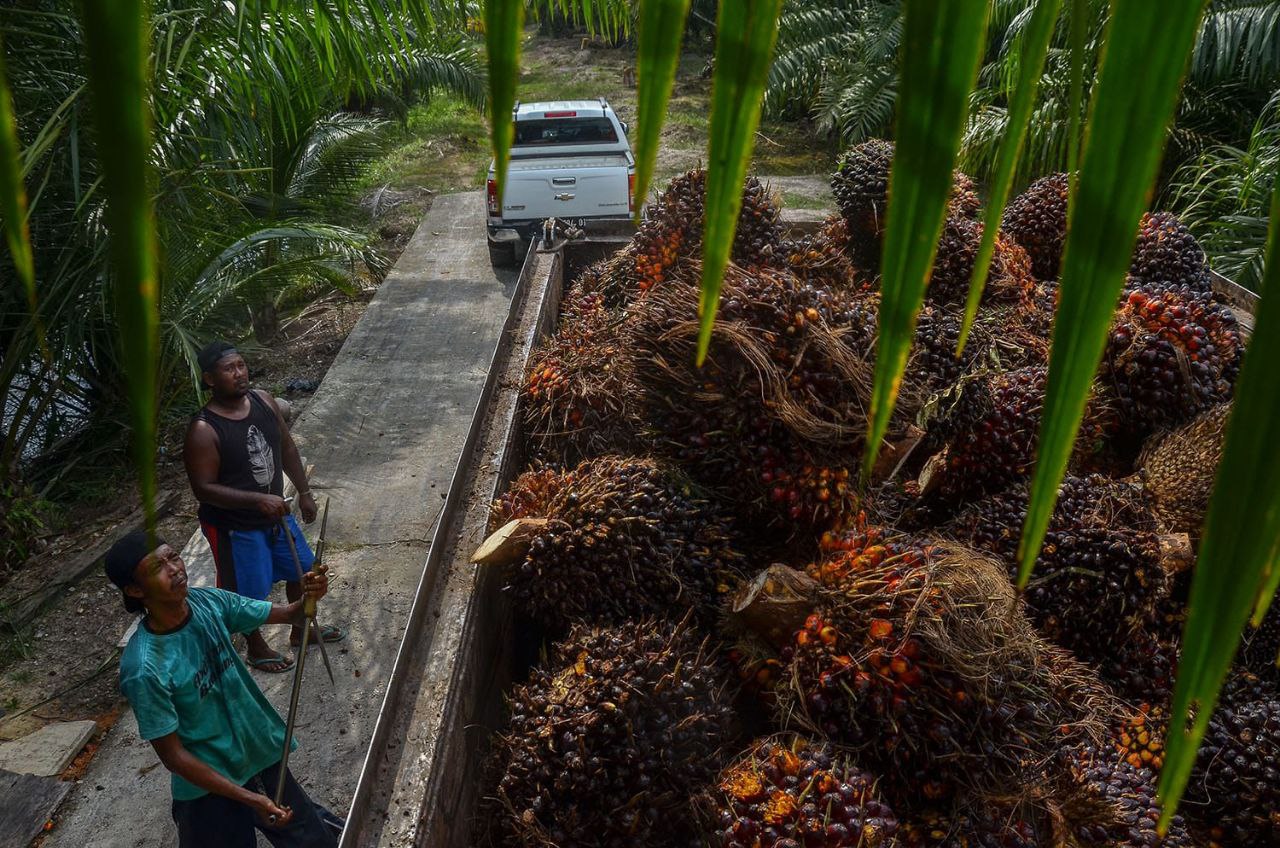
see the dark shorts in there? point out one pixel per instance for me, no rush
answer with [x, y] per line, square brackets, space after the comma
[212, 821]
[250, 562]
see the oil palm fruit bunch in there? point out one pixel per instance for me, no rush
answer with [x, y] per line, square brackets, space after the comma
[993, 428]
[1116, 805]
[933, 366]
[1009, 279]
[672, 231]
[619, 537]
[822, 258]
[790, 791]
[1167, 255]
[1100, 576]
[1170, 356]
[579, 392]
[609, 739]
[861, 188]
[1037, 220]
[969, 826]
[917, 657]
[780, 403]
[1177, 469]
[612, 280]
[1235, 785]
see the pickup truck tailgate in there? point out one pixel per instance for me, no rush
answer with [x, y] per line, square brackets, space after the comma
[566, 187]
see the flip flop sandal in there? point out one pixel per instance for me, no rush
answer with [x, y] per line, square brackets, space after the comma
[262, 663]
[328, 633]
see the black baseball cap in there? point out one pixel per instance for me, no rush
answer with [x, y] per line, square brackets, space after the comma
[122, 561]
[212, 353]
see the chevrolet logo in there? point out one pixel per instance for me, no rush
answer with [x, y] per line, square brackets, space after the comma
[565, 196]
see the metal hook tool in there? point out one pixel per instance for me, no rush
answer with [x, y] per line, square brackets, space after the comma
[308, 622]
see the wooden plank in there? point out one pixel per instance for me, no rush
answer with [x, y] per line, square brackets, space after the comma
[26, 803]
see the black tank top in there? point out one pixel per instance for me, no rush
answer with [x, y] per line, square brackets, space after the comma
[249, 456]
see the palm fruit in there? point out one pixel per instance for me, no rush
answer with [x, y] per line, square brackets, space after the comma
[861, 188]
[609, 739]
[1141, 667]
[1037, 220]
[1167, 255]
[994, 427]
[917, 657]
[1235, 786]
[1140, 739]
[1170, 356]
[1008, 281]
[672, 230]
[1100, 576]
[624, 537]
[967, 828]
[792, 791]
[1177, 469]
[577, 396]
[1116, 805]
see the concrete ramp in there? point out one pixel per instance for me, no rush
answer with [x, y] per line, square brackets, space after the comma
[384, 432]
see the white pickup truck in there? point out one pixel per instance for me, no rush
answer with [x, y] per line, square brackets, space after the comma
[570, 159]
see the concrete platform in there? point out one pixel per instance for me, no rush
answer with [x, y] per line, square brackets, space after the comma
[47, 751]
[384, 432]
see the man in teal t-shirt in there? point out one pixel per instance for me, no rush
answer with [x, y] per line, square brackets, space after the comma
[201, 710]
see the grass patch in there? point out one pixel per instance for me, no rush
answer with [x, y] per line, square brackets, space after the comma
[444, 146]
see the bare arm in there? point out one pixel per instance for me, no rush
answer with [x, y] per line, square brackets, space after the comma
[291, 461]
[200, 456]
[189, 767]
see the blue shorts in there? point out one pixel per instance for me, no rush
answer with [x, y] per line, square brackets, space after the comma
[250, 562]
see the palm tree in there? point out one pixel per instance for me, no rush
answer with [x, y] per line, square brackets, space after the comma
[252, 144]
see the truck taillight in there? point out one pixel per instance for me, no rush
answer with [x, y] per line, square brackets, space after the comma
[491, 189]
[631, 193]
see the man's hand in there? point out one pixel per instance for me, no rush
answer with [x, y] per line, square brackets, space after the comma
[307, 505]
[315, 583]
[272, 506]
[269, 813]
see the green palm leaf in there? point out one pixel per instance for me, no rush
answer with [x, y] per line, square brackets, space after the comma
[503, 25]
[13, 196]
[661, 27]
[116, 42]
[1236, 569]
[746, 32]
[1030, 64]
[1138, 81]
[942, 45]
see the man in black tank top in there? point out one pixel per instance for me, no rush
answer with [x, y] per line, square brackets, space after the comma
[237, 451]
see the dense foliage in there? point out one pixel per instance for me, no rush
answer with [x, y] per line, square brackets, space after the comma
[263, 114]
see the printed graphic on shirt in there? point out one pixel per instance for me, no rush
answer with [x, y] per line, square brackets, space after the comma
[261, 459]
[216, 660]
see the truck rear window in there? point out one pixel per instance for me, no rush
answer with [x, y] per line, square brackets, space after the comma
[546, 132]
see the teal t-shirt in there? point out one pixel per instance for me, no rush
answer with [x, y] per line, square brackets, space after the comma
[193, 681]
